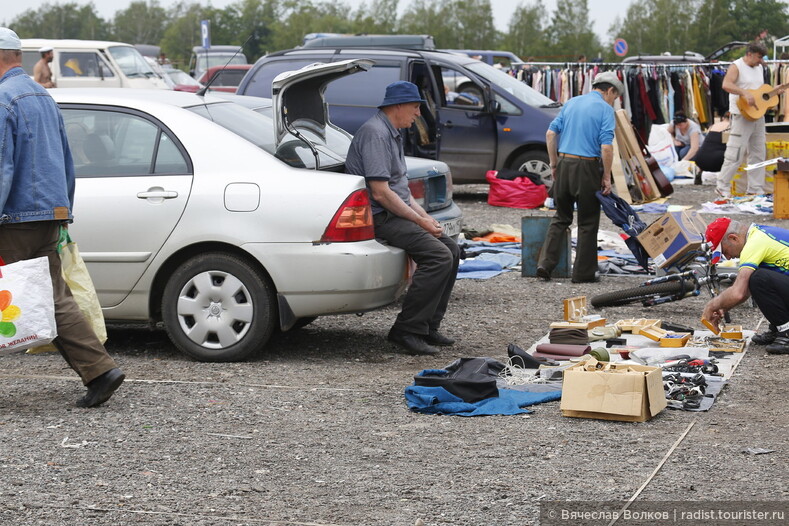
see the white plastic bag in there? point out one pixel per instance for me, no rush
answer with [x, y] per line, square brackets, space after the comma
[27, 308]
[661, 145]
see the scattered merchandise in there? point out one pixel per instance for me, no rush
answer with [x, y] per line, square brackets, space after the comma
[685, 392]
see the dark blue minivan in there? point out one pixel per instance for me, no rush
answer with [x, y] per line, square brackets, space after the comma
[476, 118]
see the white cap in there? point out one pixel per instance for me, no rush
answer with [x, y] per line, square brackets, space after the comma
[9, 40]
[45, 49]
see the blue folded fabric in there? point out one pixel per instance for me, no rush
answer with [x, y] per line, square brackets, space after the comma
[478, 269]
[439, 401]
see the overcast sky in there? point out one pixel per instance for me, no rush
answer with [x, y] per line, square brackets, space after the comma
[602, 12]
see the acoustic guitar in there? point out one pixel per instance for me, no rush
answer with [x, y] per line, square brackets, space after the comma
[764, 98]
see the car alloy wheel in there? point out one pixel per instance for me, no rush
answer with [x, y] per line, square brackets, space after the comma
[216, 307]
[536, 162]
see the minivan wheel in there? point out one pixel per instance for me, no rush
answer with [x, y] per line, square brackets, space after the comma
[536, 162]
[218, 308]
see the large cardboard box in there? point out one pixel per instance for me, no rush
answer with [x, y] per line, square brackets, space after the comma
[612, 391]
[672, 236]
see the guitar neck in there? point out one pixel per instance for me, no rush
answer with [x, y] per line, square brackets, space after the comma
[777, 90]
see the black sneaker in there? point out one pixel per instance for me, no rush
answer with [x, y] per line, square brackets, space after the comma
[543, 274]
[412, 343]
[765, 338]
[780, 345]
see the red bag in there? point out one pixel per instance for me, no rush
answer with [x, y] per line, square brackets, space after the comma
[520, 192]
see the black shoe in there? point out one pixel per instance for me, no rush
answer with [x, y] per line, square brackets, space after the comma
[765, 338]
[780, 345]
[100, 389]
[543, 273]
[413, 343]
[436, 338]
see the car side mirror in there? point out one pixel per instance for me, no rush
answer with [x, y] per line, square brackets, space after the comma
[495, 106]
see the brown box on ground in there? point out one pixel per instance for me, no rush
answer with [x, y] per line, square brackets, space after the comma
[633, 325]
[731, 332]
[672, 236]
[611, 391]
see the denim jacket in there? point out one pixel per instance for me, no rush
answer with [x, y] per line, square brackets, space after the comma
[36, 169]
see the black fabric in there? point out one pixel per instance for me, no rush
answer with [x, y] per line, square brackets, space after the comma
[510, 175]
[623, 216]
[710, 155]
[472, 379]
[770, 291]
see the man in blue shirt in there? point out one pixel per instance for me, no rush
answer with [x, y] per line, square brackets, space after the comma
[580, 148]
[36, 198]
[376, 153]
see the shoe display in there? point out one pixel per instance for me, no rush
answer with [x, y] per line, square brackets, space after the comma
[765, 338]
[436, 338]
[543, 274]
[413, 343]
[100, 389]
[780, 345]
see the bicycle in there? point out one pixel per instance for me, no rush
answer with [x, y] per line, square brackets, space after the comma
[686, 283]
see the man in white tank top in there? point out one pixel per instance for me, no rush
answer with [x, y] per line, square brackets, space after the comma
[746, 73]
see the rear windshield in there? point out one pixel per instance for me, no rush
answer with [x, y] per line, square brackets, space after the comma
[258, 129]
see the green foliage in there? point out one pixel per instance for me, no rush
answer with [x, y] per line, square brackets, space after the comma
[262, 26]
[68, 20]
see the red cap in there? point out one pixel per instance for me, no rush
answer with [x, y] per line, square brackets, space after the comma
[716, 231]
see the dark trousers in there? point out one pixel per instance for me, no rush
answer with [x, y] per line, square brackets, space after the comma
[770, 291]
[576, 182]
[437, 261]
[76, 340]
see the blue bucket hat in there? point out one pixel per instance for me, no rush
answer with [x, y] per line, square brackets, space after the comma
[401, 92]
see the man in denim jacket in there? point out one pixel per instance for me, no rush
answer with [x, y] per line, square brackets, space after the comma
[36, 197]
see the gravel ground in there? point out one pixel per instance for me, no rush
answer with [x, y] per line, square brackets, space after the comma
[316, 431]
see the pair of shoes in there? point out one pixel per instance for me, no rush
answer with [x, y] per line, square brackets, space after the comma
[100, 389]
[413, 343]
[543, 273]
[765, 338]
[780, 345]
[436, 338]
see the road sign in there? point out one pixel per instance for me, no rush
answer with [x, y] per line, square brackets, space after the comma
[205, 33]
[620, 47]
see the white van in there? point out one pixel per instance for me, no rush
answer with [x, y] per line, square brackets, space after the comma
[92, 64]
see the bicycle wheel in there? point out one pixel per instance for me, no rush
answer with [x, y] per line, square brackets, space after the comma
[633, 295]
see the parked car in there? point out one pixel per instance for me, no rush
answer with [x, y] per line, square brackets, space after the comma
[334, 40]
[506, 59]
[505, 130]
[181, 80]
[224, 78]
[204, 58]
[92, 64]
[184, 221]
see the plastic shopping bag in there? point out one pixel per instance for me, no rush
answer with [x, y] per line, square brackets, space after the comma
[75, 272]
[27, 305]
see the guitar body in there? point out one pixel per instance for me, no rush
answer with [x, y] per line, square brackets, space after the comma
[663, 184]
[765, 98]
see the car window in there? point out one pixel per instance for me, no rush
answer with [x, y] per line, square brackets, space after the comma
[228, 77]
[460, 90]
[514, 87]
[363, 89]
[84, 64]
[131, 62]
[260, 85]
[29, 59]
[258, 128]
[110, 143]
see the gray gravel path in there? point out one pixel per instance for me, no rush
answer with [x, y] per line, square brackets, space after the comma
[316, 431]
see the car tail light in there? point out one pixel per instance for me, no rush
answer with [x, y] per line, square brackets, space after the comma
[352, 222]
[417, 188]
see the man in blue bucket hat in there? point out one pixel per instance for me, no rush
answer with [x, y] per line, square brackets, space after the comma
[376, 153]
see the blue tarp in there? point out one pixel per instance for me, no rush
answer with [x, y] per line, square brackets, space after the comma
[439, 401]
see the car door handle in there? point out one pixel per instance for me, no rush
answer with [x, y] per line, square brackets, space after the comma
[157, 194]
[448, 124]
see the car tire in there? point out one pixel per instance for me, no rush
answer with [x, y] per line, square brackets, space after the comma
[537, 162]
[218, 308]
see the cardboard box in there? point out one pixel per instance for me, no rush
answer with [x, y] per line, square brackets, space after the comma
[634, 324]
[672, 236]
[612, 391]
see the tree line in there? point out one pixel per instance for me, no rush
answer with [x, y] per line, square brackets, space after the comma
[263, 26]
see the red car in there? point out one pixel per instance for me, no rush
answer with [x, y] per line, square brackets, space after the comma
[224, 78]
